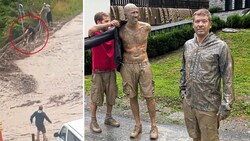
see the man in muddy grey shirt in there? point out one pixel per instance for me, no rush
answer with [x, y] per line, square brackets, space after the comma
[207, 62]
[40, 116]
[48, 14]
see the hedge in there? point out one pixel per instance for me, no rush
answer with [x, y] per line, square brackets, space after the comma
[233, 21]
[87, 62]
[245, 21]
[215, 9]
[217, 23]
[162, 43]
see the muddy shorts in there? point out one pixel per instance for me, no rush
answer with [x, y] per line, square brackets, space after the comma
[201, 124]
[134, 74]
[104, 82]
[41, 128]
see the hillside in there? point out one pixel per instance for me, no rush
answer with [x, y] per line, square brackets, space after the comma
[9, 12]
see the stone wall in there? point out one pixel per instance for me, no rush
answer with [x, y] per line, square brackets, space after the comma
[154, 16]
[217, 3]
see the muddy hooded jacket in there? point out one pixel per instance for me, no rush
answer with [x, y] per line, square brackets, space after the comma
[204, 67]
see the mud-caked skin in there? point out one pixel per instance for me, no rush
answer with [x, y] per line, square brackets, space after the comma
[136, 69]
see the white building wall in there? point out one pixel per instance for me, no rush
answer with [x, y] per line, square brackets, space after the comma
[90, 8]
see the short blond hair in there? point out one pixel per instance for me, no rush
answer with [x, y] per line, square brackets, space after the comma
[204, 12]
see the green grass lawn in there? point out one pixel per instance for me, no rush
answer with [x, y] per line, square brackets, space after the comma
[166, 71]
[240, 47]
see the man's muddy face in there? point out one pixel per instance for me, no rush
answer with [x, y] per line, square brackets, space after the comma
[201, 25]
[133, 15]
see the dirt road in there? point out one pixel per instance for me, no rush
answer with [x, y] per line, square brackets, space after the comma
[52, 78]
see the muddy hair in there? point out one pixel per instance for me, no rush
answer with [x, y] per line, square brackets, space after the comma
[204, 12]
[128, 6]
[99, 16]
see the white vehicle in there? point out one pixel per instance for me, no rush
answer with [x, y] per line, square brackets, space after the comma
[71, 131]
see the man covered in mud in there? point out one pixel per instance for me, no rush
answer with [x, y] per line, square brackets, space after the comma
[136, 69]
[40, 116]
[207, 62]
[30, 34]
[48, 14]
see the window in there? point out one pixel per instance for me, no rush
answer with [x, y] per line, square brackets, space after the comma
[63, 133]
[72, 137]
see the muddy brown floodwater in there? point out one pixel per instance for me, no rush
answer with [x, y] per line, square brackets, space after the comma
[52, 78]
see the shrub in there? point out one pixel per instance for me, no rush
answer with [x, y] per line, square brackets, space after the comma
[17, 31]
[5, 2]
[2, 23]
[87, 62]
[12, 12]
[245, 21]
[215, 9]
[152, 51]
[233, 21]
[164, 42]
[217, 23]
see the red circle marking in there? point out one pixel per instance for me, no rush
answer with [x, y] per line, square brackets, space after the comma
[35, 17]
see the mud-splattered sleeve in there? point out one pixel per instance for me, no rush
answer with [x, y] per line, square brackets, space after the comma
[227, 72]
[183, 75]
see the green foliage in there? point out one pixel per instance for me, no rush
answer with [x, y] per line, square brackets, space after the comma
[66, 8]
[152, 51]
[5, 2]
[164, 42]
[217, 23]
[240, 48]
[87, 62]
[87, 83]
[233, 21]
[241, 108]
[215, 9]
[17, 31]
[245, 21]
[2, 23]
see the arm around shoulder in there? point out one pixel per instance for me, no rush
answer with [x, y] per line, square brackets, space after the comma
[99, 27]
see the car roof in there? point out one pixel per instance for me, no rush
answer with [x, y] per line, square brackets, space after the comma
[76, 126]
